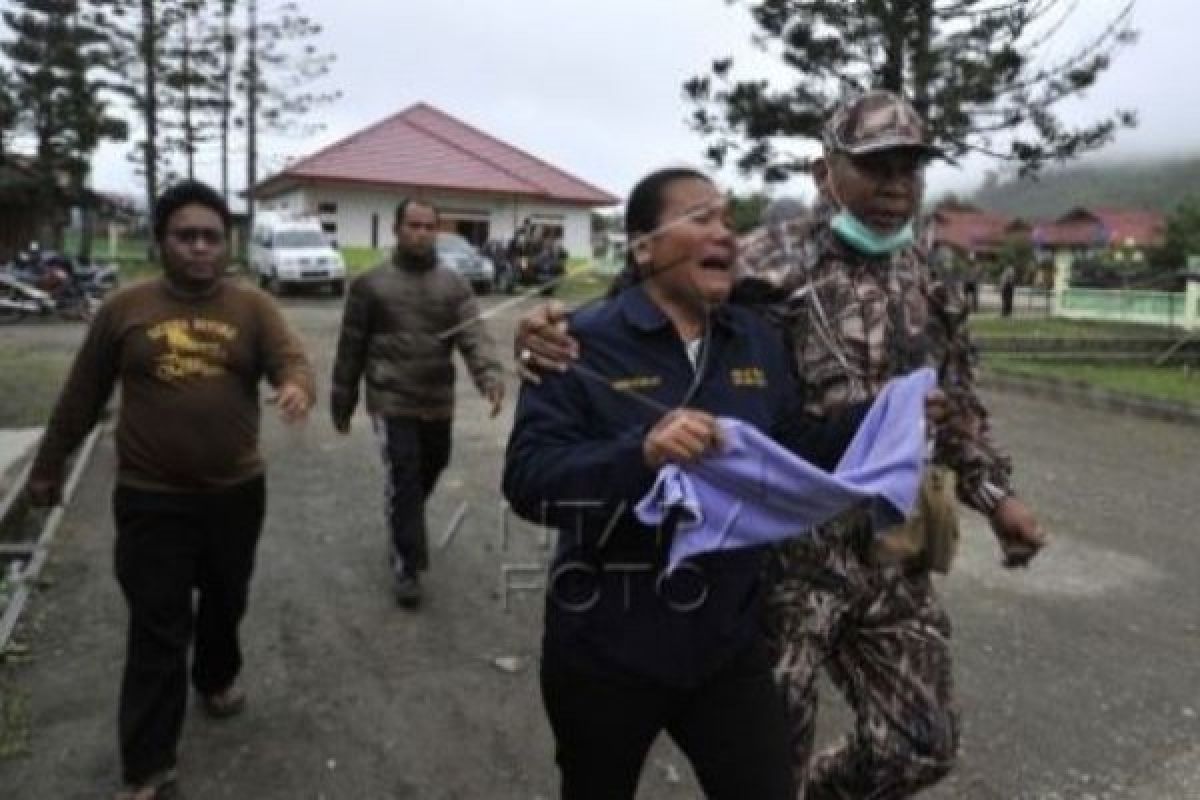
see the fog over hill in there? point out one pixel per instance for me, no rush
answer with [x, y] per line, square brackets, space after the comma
[1154, 184]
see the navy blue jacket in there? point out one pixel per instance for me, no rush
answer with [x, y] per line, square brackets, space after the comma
[575, 462]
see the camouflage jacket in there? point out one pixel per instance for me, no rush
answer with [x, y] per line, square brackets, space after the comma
[854, 322]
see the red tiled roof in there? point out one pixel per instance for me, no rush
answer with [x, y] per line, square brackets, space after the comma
[1103, 227]
[971, 230]
[424, 147]
[1145, 228]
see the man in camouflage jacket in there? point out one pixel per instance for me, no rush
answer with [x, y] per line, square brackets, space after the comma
[854, 295]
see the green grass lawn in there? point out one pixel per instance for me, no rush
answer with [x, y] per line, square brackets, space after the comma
[1174, 384]
[30, 379]
[359, 259]
[582, 284]
[985, 327]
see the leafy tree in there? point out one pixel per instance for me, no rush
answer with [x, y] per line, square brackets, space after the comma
[747, 210]
[59, 55]
[192, 73]
[1182, 236]
[281, 65]
[1017, 252]
[138, 37]
[968, 66]
[8, 111]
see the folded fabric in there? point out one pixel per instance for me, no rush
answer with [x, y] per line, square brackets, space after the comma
[757, 492]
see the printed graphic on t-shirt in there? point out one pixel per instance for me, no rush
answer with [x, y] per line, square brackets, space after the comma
[193, 348]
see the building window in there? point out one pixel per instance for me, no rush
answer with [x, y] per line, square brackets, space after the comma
[327, 214]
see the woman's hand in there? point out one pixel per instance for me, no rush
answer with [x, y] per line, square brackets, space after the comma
[680, 437]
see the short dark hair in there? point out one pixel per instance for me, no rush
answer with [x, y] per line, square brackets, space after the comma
[402, 208]
[643, 211]
[188, 193]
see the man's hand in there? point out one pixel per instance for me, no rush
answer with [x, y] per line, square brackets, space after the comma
[542, 343]
[293, 403]
[937, 407]
[1016, 529]
[682, 436]
[43, 492]
[495, 396]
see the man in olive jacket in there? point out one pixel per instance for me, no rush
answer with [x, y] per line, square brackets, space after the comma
[402, 321]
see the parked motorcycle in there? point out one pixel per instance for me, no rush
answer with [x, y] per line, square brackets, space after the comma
[74, 291]
[19, 300]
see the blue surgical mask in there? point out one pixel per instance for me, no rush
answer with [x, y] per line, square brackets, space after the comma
[862, 238]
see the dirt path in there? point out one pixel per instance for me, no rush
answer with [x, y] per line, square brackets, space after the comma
[1077, 678]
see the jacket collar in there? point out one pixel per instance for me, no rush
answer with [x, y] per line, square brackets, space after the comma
[641, 312]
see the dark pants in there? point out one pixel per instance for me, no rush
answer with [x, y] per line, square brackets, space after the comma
[169, 545]
[971, 295]
[415, 451]
[732, 730]
[1006, 300]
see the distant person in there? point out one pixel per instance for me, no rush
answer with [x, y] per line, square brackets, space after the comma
[189, 351]
[971, 276]
[1008, 288]
[551, 264]
[402, 322]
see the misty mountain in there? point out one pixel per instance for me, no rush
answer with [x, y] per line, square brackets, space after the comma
[1152, 185]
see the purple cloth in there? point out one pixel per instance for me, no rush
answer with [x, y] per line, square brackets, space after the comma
[756, 492]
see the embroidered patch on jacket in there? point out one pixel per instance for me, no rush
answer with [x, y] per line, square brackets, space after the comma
[637, 383]
[748, 376]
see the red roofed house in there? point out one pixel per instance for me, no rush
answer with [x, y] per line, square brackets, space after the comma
[1092, 231]
[971, 234]
[482, 187]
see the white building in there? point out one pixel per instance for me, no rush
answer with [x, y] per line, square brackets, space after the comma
[482, 187]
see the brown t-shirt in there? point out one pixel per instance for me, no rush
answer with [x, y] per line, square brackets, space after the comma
[189, 369]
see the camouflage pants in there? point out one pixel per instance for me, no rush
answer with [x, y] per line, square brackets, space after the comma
[883, 637]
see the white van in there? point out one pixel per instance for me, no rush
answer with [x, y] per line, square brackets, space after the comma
[289, 252]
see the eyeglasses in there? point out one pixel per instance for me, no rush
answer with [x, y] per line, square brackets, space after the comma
[192, 236]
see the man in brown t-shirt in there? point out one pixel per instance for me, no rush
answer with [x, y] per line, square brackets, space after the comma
[189, 350]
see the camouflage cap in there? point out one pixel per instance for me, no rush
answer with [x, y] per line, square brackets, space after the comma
[875, 121]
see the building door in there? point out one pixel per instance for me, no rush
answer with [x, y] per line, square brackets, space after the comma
[474, 226]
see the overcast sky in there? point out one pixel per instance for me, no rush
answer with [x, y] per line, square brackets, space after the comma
[593, 86]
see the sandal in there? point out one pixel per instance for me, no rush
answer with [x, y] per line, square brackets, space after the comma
[224, 704]
[163, 786]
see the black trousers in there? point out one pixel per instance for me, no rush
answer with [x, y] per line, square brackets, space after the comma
[1006, 300]
[183, 561]
[971, 295]
[731, 728]
[415, 451]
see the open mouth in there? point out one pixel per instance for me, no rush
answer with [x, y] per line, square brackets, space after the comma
[718, 263]
[886, 220]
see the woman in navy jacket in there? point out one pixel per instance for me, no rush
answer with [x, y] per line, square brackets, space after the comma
[630, 651]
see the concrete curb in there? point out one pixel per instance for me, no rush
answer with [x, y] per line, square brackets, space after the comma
[1086, 395]
[39, 552]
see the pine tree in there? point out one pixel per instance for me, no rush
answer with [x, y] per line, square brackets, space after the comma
[59, 55]
[8, 111]
[191, 73]
[281, 64]
[969, 66]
